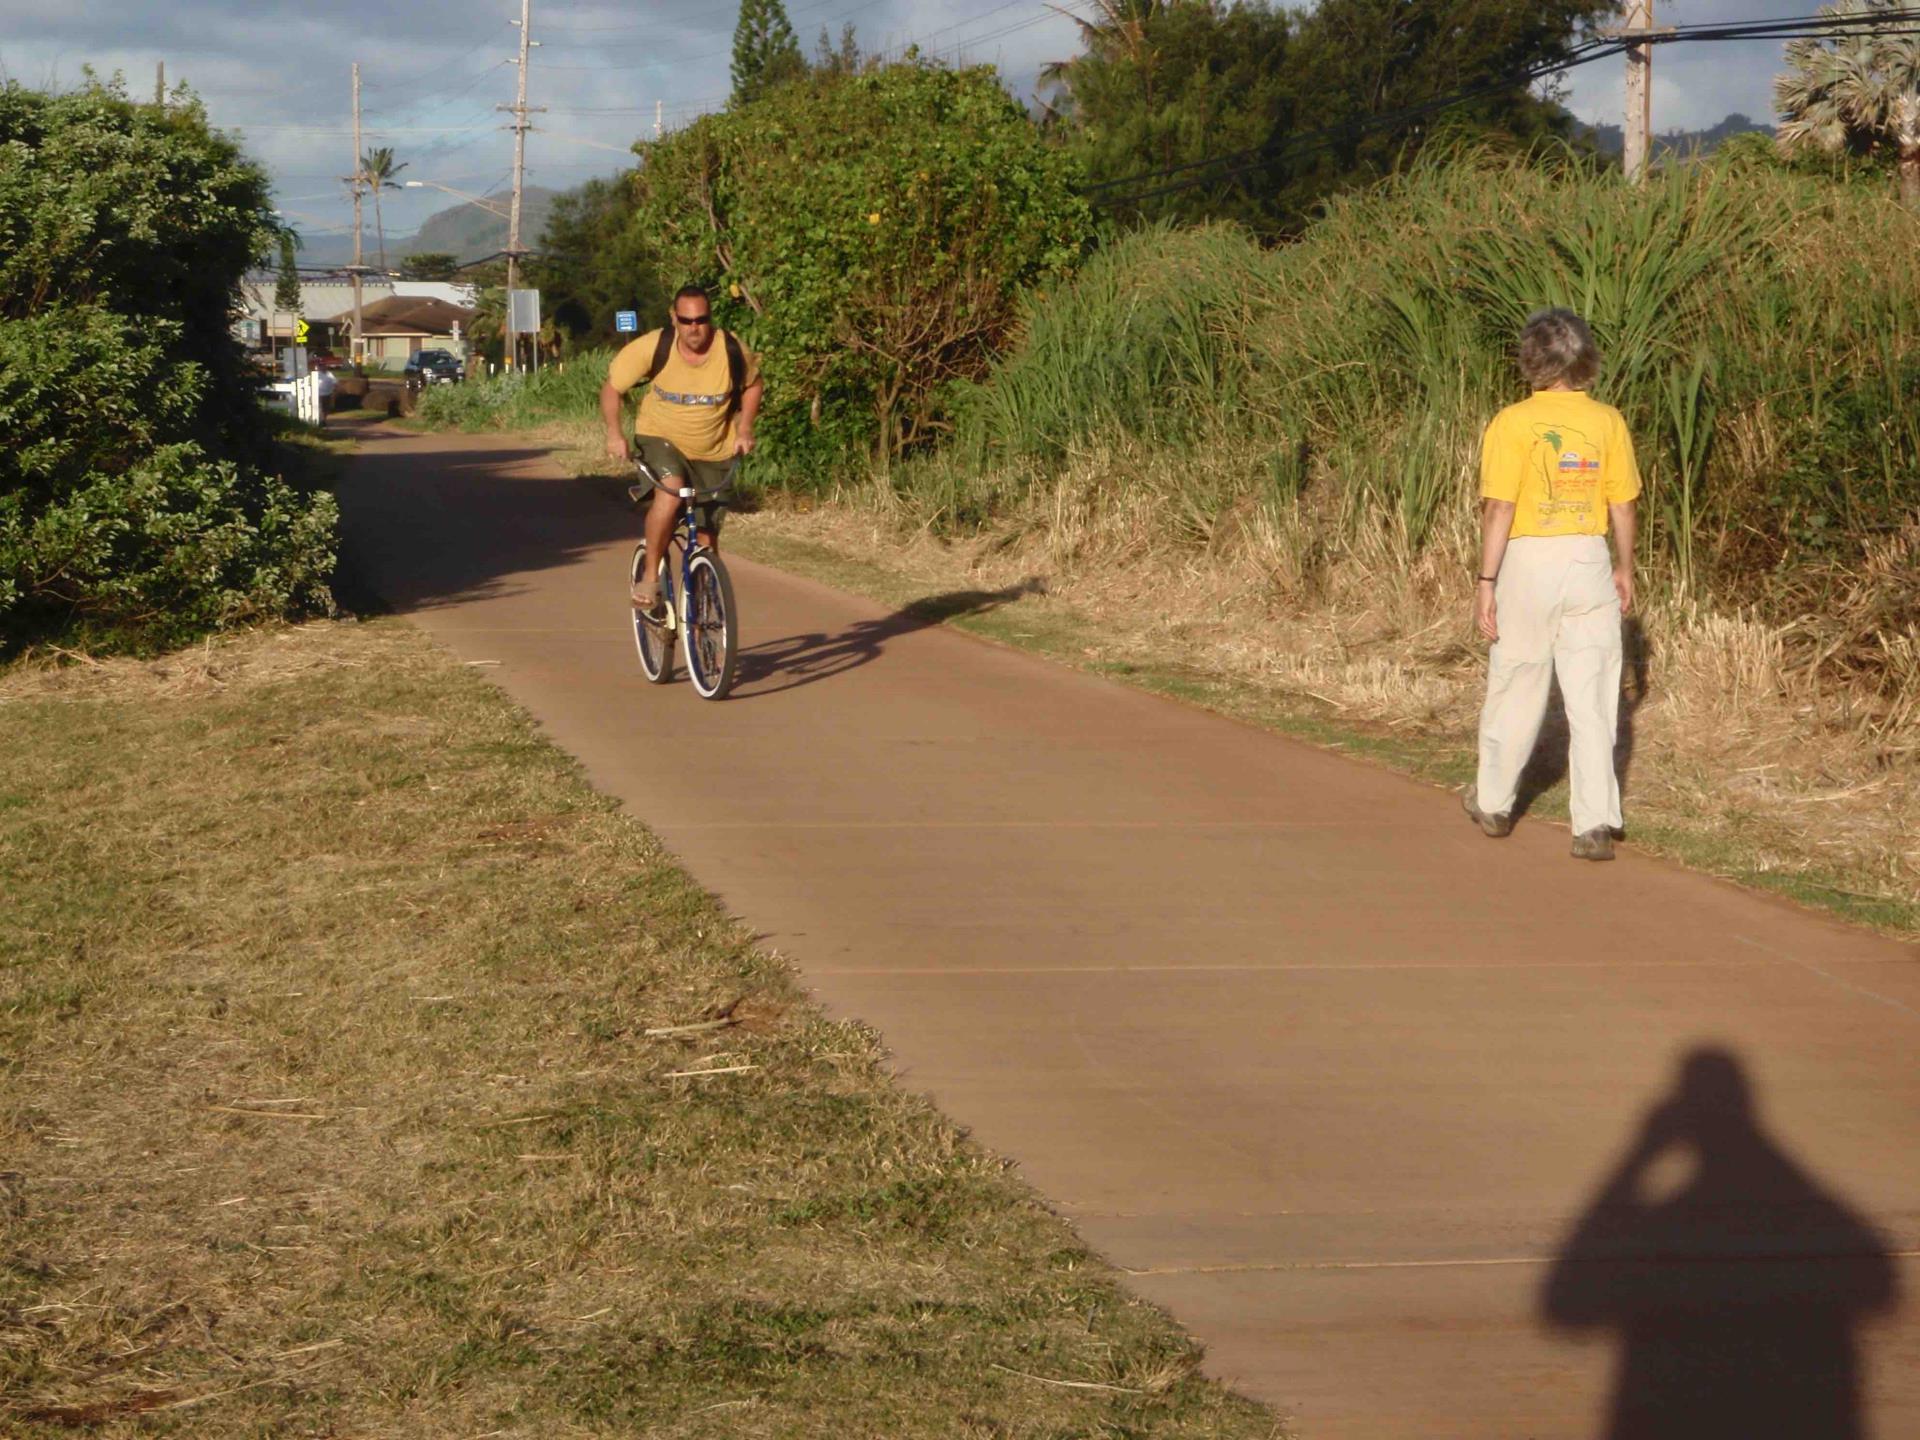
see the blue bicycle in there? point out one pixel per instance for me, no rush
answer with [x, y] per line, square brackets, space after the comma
[696, 592]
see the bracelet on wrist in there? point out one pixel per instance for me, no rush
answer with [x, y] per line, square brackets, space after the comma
[1489, 580]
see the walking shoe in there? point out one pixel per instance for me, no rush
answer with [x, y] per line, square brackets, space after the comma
[1494, 826]
[1595, 844]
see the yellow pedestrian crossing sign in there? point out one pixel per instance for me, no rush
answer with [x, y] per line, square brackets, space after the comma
[299, 332]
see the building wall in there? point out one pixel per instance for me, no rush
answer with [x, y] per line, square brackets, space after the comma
[390, 352]
[319, 300]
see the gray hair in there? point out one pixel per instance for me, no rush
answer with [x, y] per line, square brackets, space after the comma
[1556, 345]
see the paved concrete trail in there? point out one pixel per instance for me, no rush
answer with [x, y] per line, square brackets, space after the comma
[1422, 1135]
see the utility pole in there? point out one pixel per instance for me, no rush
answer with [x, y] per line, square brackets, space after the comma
[359, 334]
[160, 86]
[519, 128]
[658, 106]
[1639, 89]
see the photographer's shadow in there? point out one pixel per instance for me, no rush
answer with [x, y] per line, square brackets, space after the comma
[1736, 1283]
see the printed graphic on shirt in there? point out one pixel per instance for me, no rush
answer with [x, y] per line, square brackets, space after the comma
[1567, 462]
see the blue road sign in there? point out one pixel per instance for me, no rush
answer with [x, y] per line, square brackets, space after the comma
[626, 322]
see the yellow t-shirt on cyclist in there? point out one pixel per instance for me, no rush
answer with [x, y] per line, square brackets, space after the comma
[1562, 457]
[686, 404]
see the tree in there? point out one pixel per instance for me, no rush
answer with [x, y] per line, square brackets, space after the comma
[1162, 84]
[841, 59]
[1305, 103]
[1360, 63]
[137, 502]
[430, 265]
[870, 236]
[593, 261]
[286, 288]
[1854, 93]
[378, 170]
[765, 53]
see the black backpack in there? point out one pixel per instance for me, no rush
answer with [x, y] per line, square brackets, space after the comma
[736, 365]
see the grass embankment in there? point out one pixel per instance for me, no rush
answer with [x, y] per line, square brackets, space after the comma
[366, 1073]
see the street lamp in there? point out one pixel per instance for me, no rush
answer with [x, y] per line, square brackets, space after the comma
[484, 204]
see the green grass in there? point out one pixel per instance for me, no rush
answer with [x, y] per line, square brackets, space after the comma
[328, 1105]
[1756, 326]
[518, 400]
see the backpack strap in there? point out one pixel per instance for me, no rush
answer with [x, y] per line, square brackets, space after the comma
[661, 351]
[736, 371]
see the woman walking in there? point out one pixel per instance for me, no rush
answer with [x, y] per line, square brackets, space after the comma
[1554, 470]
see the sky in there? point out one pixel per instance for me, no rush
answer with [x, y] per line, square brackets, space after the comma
[432, 71]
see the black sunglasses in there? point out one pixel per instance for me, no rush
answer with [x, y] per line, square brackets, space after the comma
[706, 319]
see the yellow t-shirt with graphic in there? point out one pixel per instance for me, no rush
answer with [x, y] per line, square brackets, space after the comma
[1562, 457]
[686, 403]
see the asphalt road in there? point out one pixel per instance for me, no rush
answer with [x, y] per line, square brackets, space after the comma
[1421, 1134]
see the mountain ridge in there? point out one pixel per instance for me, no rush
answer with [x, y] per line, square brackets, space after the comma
[466, 231]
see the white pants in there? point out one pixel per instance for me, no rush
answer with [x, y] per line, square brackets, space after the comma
[1557, 614]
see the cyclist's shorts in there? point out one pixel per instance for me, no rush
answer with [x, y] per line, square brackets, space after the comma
[666, 461]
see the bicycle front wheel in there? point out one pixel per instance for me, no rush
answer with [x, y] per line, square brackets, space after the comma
[653, 642]
[711, 638]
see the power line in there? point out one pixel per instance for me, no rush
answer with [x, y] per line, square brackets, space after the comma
[442, 67]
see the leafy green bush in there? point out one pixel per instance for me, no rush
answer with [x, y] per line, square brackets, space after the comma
[135, 502]
[868, 235]
[1757, 326]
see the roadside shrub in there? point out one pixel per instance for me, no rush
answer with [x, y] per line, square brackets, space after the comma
[136, 499]
[1757, 326]
[518, 400]
[868, 234]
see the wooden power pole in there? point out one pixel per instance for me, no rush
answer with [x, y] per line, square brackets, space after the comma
[519, 127]
[1639, 89]
[359, 172]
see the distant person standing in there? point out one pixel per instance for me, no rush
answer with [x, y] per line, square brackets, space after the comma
[697, 415]
[1554, 470]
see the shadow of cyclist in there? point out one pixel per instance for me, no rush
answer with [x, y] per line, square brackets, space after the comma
[1736, 1293]
[796, 660]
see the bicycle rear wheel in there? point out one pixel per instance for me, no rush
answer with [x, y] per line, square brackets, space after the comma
[712, 634]
[653, 642]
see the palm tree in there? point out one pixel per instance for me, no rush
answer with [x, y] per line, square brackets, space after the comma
[1859, 89]
[378, 170]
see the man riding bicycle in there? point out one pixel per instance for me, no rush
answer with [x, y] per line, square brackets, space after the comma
[697, 415]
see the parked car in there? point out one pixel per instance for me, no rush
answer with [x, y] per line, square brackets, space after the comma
[278, 392]
[434, 367]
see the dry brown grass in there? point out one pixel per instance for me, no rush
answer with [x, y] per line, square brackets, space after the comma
[347, 1088]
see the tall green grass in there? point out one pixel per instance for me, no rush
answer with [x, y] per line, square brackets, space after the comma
[1758, 328]
[519, 400]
